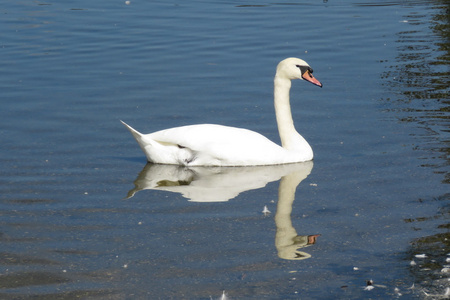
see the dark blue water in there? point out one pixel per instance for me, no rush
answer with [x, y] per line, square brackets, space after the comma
[376, 192]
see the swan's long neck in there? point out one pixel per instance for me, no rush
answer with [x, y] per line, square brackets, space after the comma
[290, 138]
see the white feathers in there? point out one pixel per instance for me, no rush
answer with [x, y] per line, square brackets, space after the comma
[216, 145]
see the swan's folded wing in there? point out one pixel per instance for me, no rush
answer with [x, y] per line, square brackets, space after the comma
[222, 145]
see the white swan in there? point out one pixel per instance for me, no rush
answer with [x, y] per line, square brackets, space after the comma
[217, 145]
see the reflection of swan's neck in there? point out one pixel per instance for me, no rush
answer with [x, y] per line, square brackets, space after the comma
[290, 138]
[286, 236]
[286, 197]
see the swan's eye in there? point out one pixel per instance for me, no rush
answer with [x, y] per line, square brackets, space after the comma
[305, 69]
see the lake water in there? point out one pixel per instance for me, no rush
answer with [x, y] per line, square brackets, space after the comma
[82, 218]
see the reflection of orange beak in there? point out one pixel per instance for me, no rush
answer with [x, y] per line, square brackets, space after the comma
[309, 77]
[312, 238]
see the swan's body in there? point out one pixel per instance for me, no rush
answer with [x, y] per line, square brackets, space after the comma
[217, 145]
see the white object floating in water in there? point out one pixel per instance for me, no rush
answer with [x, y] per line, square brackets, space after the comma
[355, 268]
[224, 296]
[127, 2]
[369, 285]
[413, 263]
[437, 296]
[445, 270]
[266, 210]
[421, 255]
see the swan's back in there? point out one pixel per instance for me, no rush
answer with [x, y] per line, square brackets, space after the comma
[212, 144]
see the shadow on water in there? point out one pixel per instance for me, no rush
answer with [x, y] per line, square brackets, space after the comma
[218, 184]
[419, 79]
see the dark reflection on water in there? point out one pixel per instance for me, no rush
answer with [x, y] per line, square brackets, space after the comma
[420, 80]
[12, 281]
[393, 3]
[17, 259]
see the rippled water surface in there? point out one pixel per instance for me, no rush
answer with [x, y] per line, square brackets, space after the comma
[83, 216]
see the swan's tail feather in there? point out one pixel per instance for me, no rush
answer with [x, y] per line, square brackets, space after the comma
[137, 135]
[144, 142]
[140, 138]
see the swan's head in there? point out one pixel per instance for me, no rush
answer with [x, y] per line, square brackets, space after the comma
[296, 68]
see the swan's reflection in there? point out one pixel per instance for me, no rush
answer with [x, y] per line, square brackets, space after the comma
[286, 239]
[215, 184]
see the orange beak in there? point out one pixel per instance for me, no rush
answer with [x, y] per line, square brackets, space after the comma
[309, 77]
